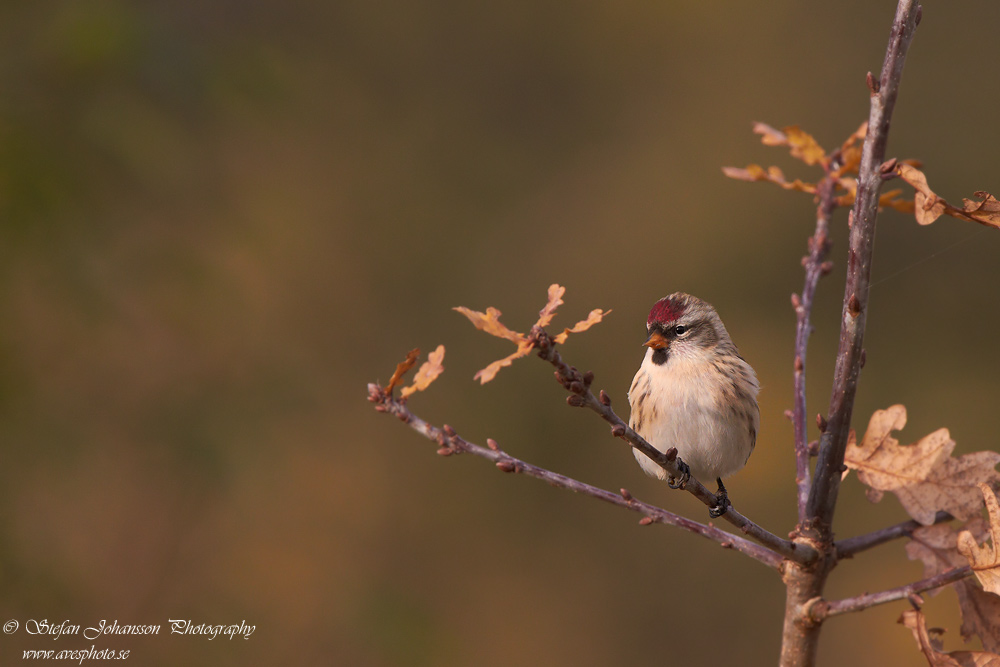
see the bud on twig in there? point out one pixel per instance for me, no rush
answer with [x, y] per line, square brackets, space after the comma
[492, 444]
[506, 466]
[646, 520]
[821, 423]
[789, 415]
[618, 430]
[799, 366]
[588, 378]
[670, 454]
[605, 399]
[854, 306]
[626, 495]
[575, 401]
[577, 387]
[874, 85]
[825, 268]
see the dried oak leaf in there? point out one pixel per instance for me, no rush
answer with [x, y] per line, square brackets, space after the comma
[803, 146]
[402, 368]
[937, 548]
[490, 323]
[427, 373]
[923, 475]
[755, 172]
[929, 207]
[931, 647]
[985, 560]
[595, 316]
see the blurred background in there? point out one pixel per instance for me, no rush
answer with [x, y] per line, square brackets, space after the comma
[219, 221]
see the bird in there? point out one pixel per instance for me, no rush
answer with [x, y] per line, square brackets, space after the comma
[694, 392]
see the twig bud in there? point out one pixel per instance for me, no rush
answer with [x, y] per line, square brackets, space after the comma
[445, 451]
[575, 401]
[605, 399]
[449, 431]
[854, 305]
[888, 166]
[492, 444]
[821, 423]
[874, 85]
[670, 454]
[915, 600]
[789, 415]
[506, 466]
[646, 520]
[618, 430]
[577, 387]
[588, 378]
[796, 301]
[825, 268]
[799, 365]
[626, 495]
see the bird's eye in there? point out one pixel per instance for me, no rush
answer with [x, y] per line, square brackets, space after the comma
[680, 330]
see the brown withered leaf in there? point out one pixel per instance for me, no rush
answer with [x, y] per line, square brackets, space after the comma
[937, 548]
[985, 560]
[929, 207]
[755, 172]
[490, 323]
[546, 314]
[803, 146]
[986, 212]
[923, 475]
[402, 368]
[931, 647]
[490, 372]
[595, 316]
[980, 614]
[427, 373]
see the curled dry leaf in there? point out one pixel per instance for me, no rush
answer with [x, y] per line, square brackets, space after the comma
[490, 323]
[929, 207]
[923, 475]
[402, 368]
[931, 647]
[985, 560]
[937, 547]
[427, 373]
[754, 172]
[595, 316]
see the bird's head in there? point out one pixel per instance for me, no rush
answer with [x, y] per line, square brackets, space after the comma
[681, 325]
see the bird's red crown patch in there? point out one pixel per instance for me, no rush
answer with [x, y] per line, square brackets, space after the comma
[665, 311]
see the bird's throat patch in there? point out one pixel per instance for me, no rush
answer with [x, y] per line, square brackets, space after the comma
[660, 356]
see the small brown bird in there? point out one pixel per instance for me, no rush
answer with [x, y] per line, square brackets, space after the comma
[694, 392]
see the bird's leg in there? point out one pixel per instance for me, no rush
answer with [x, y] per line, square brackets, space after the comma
[673, 482]
[721, 502]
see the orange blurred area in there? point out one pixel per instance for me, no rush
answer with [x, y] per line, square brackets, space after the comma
[219, 221]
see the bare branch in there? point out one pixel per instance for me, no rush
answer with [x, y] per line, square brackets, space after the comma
[815, 267]
[823, 497]
[451, 443]
[579, 386]
[852, 545]
[822, 609]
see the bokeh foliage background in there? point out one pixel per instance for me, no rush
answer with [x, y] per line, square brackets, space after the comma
[218, 221]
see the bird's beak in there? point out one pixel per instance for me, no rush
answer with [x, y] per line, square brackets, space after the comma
[656, 341]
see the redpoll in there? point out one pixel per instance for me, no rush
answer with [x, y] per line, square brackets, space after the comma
[694, 392]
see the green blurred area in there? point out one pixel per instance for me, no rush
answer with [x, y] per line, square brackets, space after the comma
[219, 221]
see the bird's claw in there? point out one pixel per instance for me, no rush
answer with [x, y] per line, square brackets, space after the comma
[685, 477]
[721, 505]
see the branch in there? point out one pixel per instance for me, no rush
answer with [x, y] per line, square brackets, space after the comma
[821, 609]
[823, 497]
[815, 266]
[579, 385]
[450, 443]
[847, 548]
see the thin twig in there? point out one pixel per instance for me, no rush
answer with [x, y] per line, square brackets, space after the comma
[853, 545]
[823, 497]
[451, 443]
[822, 609]
[578, 384]
[815, 266]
